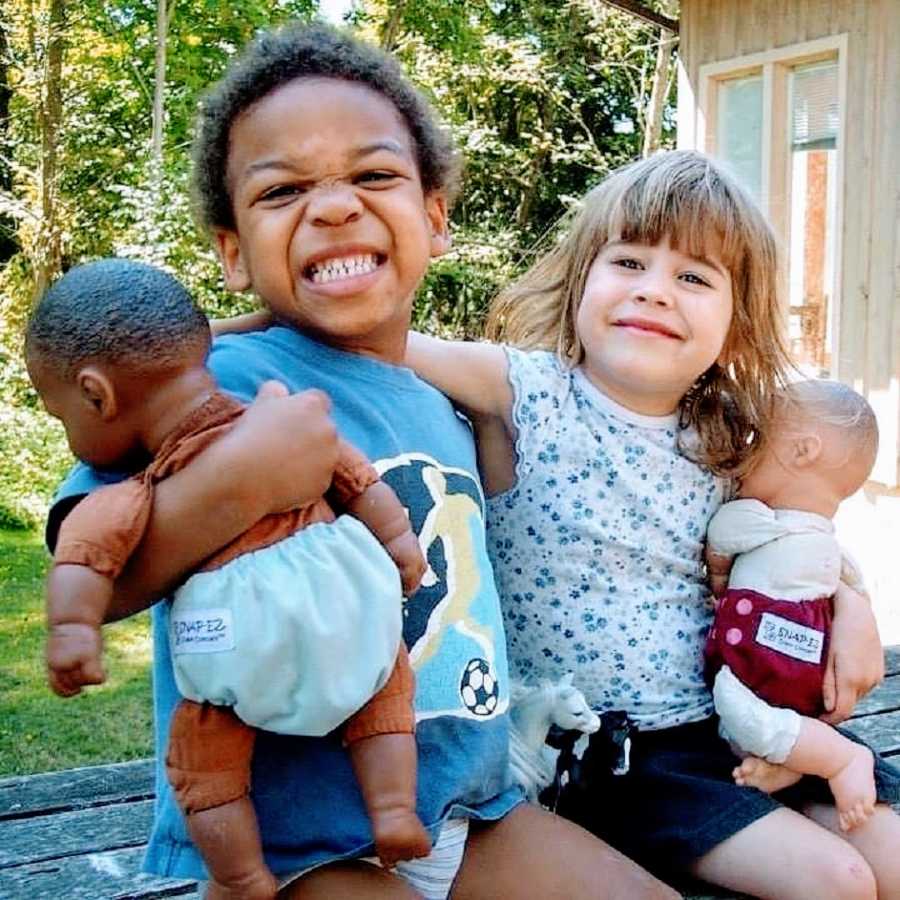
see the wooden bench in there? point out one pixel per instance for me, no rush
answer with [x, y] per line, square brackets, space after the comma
[81, 833]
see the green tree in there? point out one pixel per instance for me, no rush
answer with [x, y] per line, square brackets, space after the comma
[544, 97]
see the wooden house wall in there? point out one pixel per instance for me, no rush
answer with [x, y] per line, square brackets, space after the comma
[869, 289]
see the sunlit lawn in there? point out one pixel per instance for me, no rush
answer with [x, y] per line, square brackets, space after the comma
[38, 730]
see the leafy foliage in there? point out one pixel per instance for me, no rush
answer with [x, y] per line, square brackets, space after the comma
[543, 96]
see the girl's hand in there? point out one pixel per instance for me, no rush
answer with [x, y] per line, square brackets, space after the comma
[254, 321]
[718, 567]
[855, 655]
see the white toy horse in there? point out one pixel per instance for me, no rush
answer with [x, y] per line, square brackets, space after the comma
[533, 711]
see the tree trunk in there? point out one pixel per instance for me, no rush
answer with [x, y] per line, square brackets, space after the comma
[656, 106]
[159, 82]
[536, 169]
[47, 251]
[8, 243]
[391, 28]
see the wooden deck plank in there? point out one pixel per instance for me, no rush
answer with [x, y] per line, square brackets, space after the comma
[75, 789]
[73, 833]
[885, 699]
[882, 732]
[81, 833]
[892, 660]
[114, 875]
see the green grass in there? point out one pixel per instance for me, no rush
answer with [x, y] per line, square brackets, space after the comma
[39, 731]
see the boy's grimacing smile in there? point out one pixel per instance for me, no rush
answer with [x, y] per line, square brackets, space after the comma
[333, 229]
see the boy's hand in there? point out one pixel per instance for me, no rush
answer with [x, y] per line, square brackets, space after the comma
[406, 553]
[74, 652]
[284, 447]
[855, 655]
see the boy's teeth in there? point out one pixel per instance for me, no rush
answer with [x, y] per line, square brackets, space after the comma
[346, 267]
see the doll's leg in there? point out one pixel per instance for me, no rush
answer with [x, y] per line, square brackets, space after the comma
[822, 751]
[760, 773]
[382, 748]
[848, 766]
[385, 766]
[208, 764]
[802, 744]
[753, 727]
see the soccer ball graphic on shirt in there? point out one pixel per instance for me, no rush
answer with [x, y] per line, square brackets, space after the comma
[478, 688]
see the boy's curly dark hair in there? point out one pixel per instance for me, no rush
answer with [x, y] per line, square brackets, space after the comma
[309, 51]
[120, 312]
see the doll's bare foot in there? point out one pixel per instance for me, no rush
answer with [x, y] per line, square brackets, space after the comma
[853, 787]
[768, 777]
[399, 834]
[259, 884]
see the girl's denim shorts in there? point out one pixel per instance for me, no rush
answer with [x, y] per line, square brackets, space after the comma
[678, 800]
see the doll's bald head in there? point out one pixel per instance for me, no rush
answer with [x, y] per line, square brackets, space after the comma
[844, 419]
[819, 448]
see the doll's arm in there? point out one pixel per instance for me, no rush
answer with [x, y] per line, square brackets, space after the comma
[378, 508]
[77, 602]
[741, 526]
[473, 375]
[359, 491]
[237, 480]
[855, 655]
[253, 321]
[737, 527]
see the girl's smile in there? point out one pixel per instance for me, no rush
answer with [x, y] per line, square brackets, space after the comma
[648, 327]
[651, 321]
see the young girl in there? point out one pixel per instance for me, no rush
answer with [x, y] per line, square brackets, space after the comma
[648, 346]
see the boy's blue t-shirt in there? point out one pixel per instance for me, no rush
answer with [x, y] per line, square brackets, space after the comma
[306, 796]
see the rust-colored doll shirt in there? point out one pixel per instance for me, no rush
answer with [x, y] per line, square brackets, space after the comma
[210, 748]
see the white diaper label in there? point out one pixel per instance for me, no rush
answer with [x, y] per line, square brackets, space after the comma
[789, 638]
[202, 631]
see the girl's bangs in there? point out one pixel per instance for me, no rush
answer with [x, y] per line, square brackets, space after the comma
[699, 216]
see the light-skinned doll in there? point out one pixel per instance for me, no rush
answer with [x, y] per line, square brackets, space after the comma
[769, 641]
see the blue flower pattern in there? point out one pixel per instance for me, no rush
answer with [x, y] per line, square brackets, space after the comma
[597, 549]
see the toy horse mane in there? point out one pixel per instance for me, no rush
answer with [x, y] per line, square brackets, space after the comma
[534, 709]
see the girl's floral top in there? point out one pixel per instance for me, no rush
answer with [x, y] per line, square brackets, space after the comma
[598, 548]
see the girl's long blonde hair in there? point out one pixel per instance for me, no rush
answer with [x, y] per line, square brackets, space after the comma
[685, 197]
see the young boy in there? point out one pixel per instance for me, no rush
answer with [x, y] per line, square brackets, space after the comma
[117, 351]
[325, 181]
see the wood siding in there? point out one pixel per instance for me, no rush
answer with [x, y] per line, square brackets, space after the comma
[714, 31]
